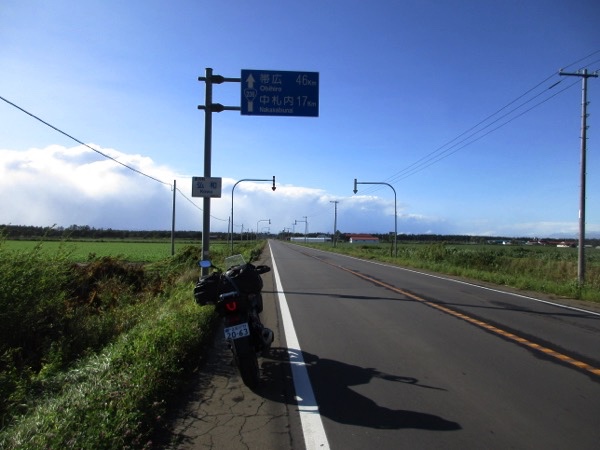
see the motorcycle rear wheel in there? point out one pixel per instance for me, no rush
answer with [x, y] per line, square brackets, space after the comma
[247, 362]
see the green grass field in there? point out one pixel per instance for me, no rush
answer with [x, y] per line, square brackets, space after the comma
[79, 251]
[92, 355]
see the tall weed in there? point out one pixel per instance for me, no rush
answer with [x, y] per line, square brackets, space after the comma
[105, 346]
[54, 312]
[31, 300]
[32, 318]
[116, 398]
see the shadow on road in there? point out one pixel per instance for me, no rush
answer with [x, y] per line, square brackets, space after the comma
[331, 382]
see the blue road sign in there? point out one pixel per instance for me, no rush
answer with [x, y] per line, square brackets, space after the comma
[280, 93]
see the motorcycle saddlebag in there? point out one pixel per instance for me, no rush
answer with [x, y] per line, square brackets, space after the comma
[206, 291]
[246, 278]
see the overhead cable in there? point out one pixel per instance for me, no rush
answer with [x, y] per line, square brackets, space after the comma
[83, 143]
[101, 153]
[450, 147]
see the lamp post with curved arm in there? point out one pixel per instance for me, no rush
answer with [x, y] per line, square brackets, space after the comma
[305, 221]
[395, 209]
[261, 220]
[232, 190]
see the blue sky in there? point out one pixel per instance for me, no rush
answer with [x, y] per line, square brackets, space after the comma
[451, 102]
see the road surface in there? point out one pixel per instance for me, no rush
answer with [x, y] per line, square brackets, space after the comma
[373, 356]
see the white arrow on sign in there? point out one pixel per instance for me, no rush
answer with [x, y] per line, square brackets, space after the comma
[250, 81]
[250, 92]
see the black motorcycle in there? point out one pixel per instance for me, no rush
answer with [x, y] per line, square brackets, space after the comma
[236, 294]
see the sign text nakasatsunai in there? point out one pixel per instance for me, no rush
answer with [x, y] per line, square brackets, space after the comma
[280, 93]
[206, 187]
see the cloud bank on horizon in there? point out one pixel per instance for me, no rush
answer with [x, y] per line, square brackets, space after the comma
[66, 186]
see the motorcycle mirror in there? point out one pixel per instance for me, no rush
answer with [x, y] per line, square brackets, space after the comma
[262, 269]
[205, 264]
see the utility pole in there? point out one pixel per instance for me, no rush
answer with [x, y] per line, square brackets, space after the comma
[335, 203]
[173, 219]
[581, 253]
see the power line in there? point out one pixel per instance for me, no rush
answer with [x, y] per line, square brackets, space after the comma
[188, 199]
[467, 142]
[444, 151]
[83, 143]
[102, 153]
[583, 59]
[431, 155]
[197, 207]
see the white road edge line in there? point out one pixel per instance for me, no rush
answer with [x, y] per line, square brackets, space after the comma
[499, 291]
[310, 418]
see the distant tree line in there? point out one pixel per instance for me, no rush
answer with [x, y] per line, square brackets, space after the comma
[448, 238]
[389, 237]
[87, 232]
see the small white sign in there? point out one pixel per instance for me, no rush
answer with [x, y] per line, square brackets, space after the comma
[206, 187]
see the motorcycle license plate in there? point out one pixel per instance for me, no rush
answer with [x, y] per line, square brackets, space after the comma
[237, 331]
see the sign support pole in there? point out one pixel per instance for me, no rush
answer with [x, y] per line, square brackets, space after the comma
[207, 164]
[294, 93]
[209, 108]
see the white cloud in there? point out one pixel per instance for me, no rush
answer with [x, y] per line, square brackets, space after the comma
[65, 186]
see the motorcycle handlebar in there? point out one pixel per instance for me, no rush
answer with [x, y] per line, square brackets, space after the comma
[228, 295]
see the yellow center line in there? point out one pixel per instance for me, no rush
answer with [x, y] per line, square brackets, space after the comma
[513, 337]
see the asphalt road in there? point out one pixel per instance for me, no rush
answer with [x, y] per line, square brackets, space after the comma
[394, 359]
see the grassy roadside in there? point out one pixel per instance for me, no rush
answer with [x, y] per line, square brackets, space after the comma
[547, 270]
[97, 361]
[115, 398]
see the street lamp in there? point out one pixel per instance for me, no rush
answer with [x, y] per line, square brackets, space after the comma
[261, 220]
[305, 226]
[395, 209]
[232, 190]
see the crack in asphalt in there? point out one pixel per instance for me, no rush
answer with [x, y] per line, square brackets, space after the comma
[221, 412]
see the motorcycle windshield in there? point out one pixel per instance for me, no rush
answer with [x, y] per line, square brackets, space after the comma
[234, 260]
